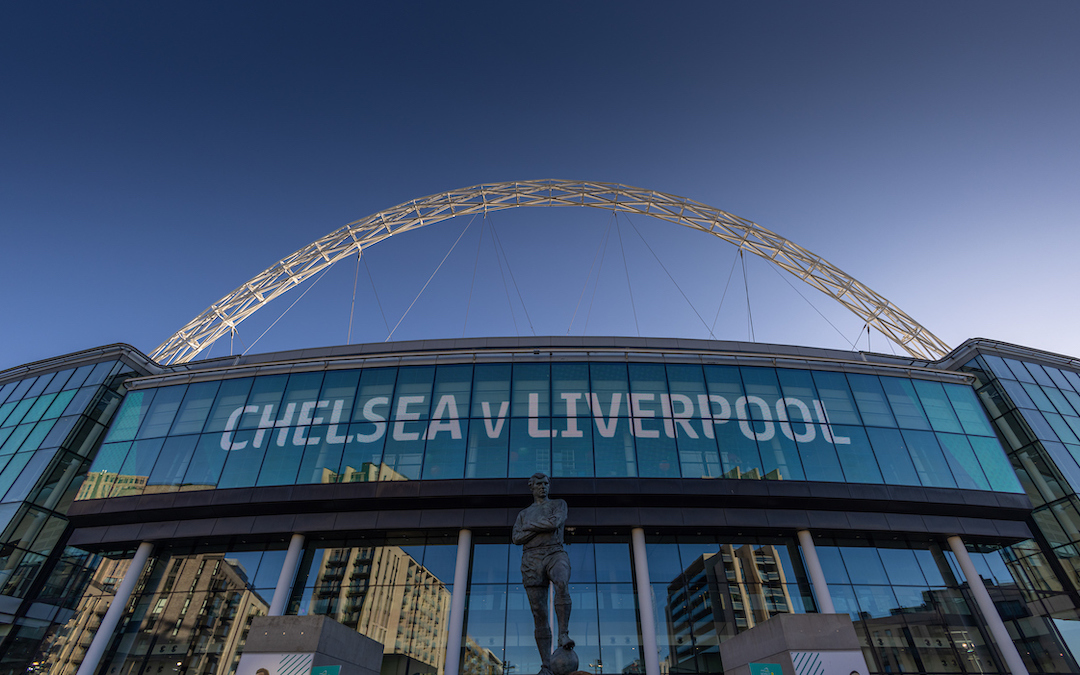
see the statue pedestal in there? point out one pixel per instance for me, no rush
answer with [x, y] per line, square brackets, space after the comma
[796, 644]
[286, 645]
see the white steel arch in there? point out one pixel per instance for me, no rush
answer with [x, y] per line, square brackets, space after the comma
[225, 314]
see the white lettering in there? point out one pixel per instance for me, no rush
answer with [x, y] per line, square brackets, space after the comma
[572, 430]
[332, 435]
[744, 425]
[534, 420]
[638, 413]
[447, 405]
[306, 418]
[493, 430]
[682, 418]
[704, 402]
[403, 415]
[807, 419]
[606, 429]
[826, 426]
[378, 420]
[283, 434]
[227, 443]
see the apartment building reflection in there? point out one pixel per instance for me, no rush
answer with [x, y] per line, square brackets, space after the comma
[193, 617]
[719, 595]
[384, 594]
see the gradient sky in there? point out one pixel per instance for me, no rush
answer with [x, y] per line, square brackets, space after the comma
[155, 156]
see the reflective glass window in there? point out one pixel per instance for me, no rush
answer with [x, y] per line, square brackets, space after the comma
[228, 405]
[569, 389]
[687, 382]
[487, 452]
[572, 449]
[1039, 374]
[15, 438]
[856, 456]
[698, 454]
[724, 381]
[339, 391]
[172, 464]
[39, 386]
[905, 403]
[963, 462]
[78, 378]
[870, 399]
[362, 457]
[1038, 397]
[530, 446]
[137, 466]
[444, 454]
[739, 456]
[532, 390]
[206, 464]
[1061, 404]
[820, 454]
[265, 399]
[194, 409]
[892, 456]
[59, 404]
[5, 390]
[19, 412]
[1018, 370]
[928, 458]
[159, 415]
[20, 388]
[1017, 393]
[836, 398]
[762, 383]
[5, 410]
[613, 446]
[37, 411]
[491, 390]
[995, 465]
[937, 406]
[322, 459]
[656, 454]
[780, 458]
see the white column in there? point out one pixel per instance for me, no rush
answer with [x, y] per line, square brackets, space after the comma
[457, 603]
[1004, 642]
[112, 617]
[645, 605]
[817, 576]
[287, 576]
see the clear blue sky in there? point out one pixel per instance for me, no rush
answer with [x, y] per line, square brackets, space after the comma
[155, 156]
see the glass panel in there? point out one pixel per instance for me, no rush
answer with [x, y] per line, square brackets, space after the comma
[322, 459]
[820, 454]
[19, 412]
[195, 408]
[206, 463]
[1017, 393]
[168, 473]
[532, 395]
[265, 397]
[572, 449]
[761, 382]
[38, 386]
[870, 398]
[739, 456]
[491, 390]
[780, 459]
[58, 382]
[362, 458]
[856, 456]
[530, 446]
[613, 445]
[929, 461]
[937, 406]
[1035, 393]
[995, 465]
[688, 381]
[78, 379]
[836, 398]
[59, 404]
[1019, 371]
[445, 449]
[488, 444]
[140, 460]
[963, 462]
[230, 398]
[905, 403]
[159, 416]
[892, 456]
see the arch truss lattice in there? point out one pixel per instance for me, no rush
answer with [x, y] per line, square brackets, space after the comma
[224, 315]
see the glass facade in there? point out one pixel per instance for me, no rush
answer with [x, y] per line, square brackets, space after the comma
[600, 419]
[50, 426]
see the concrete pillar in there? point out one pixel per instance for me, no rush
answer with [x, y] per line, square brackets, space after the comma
[1004, 642]
[817, 575]
[650, 656]
[287, 576]
[457, 603]
[112, 617]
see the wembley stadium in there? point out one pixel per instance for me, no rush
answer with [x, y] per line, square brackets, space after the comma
[155, 505]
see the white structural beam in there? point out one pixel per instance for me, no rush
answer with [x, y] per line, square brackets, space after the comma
[219, 319]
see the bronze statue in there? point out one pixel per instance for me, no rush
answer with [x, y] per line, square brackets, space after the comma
[539, 531]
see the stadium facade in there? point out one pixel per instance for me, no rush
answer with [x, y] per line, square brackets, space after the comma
[699, 475]
[151, 508]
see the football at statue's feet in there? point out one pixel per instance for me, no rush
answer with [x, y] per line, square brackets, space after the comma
[564, 661]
